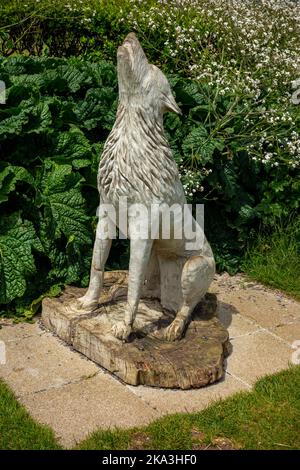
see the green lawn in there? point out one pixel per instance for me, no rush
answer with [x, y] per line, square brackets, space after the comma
[266, 418]
[274, 260]
[17, 429]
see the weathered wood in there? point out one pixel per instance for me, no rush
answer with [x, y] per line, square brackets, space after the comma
[194, 361]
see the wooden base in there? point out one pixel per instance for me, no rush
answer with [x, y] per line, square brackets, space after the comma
[195, 361]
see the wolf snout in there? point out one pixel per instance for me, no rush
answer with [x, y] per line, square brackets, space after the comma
[122, 50]
[130, 37]
[131, 43]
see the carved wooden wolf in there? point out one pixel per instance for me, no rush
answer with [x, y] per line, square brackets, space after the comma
[137, 163]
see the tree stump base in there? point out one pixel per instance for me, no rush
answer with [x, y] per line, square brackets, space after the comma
[194, 361]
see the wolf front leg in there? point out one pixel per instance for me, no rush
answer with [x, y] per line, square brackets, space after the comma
[102, 245]
[140, 251]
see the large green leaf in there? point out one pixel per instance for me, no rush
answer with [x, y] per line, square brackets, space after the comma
[188, 94]
[10, 175]
[40, 118]
[61, 196]
[200, 145]
[17, 239]
[13, 124]
[72, 147]
[30, 116]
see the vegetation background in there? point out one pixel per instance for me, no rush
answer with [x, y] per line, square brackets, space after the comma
[231, 65]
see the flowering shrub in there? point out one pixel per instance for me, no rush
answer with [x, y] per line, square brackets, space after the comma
[249, 49]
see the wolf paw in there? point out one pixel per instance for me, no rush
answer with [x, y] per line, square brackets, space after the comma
[83, 305]
[176, 330]
[121, 331]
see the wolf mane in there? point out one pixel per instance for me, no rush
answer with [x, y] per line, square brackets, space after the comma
[137, 161]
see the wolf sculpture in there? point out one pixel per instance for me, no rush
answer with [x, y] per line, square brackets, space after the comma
[137, 164]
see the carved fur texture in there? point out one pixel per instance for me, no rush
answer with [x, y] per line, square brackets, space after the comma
[137, 163]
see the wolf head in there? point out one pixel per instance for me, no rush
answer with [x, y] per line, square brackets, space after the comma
[141, 83]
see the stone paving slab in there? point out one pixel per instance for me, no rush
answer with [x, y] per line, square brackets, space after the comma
[71, 394]
[10, 331]
[255, 302]
[256, 355]
[77, 409]
[39, 362]
[236, 324]
[289, 333]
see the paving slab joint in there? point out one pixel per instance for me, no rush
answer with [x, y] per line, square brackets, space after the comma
[239, 379]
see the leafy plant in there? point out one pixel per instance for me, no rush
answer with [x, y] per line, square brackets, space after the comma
[50, 126]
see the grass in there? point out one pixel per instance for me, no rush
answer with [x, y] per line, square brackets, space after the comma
[266, 418]
[18, 430]
[274, 260]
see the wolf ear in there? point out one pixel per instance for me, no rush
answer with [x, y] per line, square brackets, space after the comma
[171, 104]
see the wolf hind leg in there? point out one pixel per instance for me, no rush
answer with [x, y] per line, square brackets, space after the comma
[197, 275]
